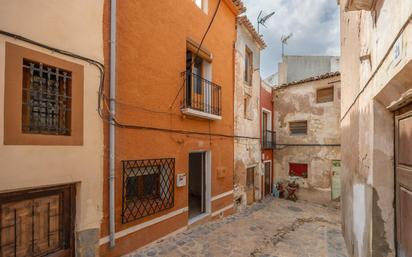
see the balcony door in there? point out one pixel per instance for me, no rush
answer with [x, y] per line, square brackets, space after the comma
[197, 97]
[403, 154]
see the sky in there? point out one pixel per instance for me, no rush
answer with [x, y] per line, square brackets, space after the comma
[314, 24]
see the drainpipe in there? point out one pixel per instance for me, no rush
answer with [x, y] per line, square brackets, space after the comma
[111, 126]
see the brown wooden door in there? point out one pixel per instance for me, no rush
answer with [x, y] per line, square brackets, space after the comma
[250, 185]
[37, 223]
[403, 146]
[268, 171]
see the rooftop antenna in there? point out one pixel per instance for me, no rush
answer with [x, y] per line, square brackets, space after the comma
[262, 18]
[284, 39]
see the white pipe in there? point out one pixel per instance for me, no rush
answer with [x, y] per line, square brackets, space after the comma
[112, 141]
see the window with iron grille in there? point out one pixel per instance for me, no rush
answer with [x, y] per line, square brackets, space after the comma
[324, 95]
[46, 103]
[148, 187]
[298, 127]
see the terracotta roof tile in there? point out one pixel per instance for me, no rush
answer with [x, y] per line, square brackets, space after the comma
[323, 76]
[249, 26]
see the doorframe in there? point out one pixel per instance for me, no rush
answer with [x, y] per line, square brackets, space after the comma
[208, 184]
[397, 118]
[271, 176]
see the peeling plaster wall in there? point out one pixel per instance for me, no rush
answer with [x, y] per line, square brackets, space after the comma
[369, 85]
[247, 151]
[297, 103]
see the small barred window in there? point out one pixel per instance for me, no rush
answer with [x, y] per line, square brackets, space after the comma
[46, 103]
[148, 187]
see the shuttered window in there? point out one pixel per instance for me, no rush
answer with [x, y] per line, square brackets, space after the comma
[250, 177]
[298, 170]
[324, 95]
[298, 127]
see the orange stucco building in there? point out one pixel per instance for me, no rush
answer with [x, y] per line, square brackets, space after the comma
[174, 118]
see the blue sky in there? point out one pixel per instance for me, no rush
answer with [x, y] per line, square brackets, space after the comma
[314, 24]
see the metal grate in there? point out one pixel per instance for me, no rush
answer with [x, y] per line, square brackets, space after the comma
[269, 139]
[202, 95]
[46, 99]
[148, 187]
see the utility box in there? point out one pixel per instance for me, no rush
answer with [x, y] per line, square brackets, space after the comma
[181, 180]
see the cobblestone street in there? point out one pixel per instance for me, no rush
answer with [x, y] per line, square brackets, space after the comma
[272, 228]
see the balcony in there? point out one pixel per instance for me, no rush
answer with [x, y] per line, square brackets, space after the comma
[269, 139]
[202, 98]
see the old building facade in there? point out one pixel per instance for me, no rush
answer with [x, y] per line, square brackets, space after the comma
[376, 127]
[247, 167]
[51, 136]
[268, 138]
[174, 146]
[307, 129]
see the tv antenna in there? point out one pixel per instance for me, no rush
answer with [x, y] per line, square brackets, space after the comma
[284, 39]
[262, 18]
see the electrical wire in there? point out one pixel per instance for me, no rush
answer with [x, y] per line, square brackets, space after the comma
[198, 48]
[102, 97]
[97, 64]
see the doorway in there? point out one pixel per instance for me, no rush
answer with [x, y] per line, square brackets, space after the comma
[268, 178]
[198, 185]
[403, 174]
[250, 185]
[335, 180]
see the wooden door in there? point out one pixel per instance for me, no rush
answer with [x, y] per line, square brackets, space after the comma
[250, 185]
[268, 184]
[403, 155]
[37, 224]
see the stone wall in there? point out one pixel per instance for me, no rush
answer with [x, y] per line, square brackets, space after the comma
[247, 151]
[298, 103]
[375, 60]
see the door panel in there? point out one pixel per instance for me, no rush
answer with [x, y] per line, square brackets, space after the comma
[267, 178]
[335, 180]
[37, 222]
[403, 154]
[250, 185]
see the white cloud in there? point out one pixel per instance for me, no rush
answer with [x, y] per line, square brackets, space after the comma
[314, 24]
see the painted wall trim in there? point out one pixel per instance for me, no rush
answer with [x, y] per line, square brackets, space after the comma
[214, 198]
[200, 114]
[223, 209]
[146, 224]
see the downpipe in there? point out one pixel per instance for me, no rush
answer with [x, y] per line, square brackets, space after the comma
[112, 106]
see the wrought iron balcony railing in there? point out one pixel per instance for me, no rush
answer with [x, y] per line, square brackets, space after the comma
[269, 139]
[202, 96]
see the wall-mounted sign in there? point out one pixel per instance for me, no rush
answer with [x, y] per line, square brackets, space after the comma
[397, 51]
[181, 180]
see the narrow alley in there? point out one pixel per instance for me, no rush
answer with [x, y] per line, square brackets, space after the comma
[271, 228]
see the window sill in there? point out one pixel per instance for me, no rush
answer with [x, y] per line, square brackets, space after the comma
[200, 114]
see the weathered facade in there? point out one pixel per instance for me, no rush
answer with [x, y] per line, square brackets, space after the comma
[307, 129]
[376, 127]
[247, 173]
[174, 150]
[268, 138]
[51, 136]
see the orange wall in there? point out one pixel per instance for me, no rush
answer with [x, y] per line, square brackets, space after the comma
[151, 49]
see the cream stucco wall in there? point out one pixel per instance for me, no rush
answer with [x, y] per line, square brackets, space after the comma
[247, 151]
[74, 26]
[373, 77]
[298, 103]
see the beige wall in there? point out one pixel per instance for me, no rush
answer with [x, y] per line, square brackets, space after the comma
[74, 26]
[298, 103]
[372, 78]
[247, 151]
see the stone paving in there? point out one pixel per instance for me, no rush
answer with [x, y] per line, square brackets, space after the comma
[272, 228]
